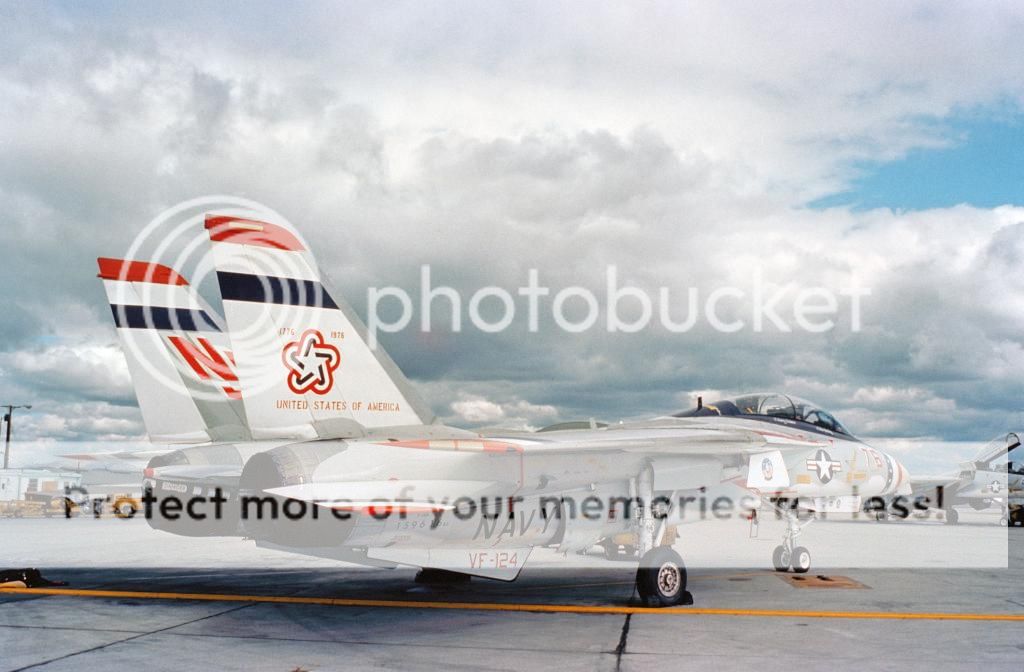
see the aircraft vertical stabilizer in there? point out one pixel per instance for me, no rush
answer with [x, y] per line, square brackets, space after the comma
[305, 367]
[178, 355]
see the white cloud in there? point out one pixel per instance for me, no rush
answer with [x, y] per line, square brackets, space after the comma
[887, 395]
[88, 371]
[478, 411]
[514, 414]
[49, 420]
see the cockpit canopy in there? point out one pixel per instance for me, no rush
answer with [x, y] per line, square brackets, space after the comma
[770, 405]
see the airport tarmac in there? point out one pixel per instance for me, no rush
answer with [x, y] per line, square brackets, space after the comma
[146, 600]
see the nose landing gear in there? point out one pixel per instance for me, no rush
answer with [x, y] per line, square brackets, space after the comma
[786, 555]
[798, 559]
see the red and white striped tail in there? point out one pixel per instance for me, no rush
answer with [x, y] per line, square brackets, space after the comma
[178, 354]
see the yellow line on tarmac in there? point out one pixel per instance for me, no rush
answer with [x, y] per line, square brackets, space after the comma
[715, 577]
[491, 606]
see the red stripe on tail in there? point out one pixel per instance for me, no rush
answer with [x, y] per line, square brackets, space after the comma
[224, 229]
[138, 271]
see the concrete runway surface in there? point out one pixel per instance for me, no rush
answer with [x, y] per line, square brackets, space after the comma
[139, 599]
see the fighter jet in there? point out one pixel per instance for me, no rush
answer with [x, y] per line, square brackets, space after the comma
[1015, 493]
[984, 481]
[335, 455]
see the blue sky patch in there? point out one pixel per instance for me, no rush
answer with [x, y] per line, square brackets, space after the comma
[983, 166]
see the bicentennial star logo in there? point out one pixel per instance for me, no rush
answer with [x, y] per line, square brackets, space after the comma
[311, 362]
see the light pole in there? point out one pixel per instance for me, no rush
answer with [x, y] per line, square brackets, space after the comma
[8, 416]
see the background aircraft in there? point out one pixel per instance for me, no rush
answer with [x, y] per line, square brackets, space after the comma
[989, 479]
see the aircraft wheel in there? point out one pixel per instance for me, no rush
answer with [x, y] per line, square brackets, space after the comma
[780, 559]
[661, 578]
[1004, 521]
[952, 516]
[801, 560]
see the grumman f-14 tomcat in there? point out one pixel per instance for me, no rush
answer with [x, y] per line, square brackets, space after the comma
[295, 411]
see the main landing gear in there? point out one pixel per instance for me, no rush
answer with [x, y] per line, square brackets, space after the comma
[661, 576]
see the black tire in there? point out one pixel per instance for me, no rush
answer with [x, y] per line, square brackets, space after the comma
[780, 559]
[661, 578]
[801, 560]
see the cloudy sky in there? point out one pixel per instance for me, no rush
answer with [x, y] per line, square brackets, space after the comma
[875, 145]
